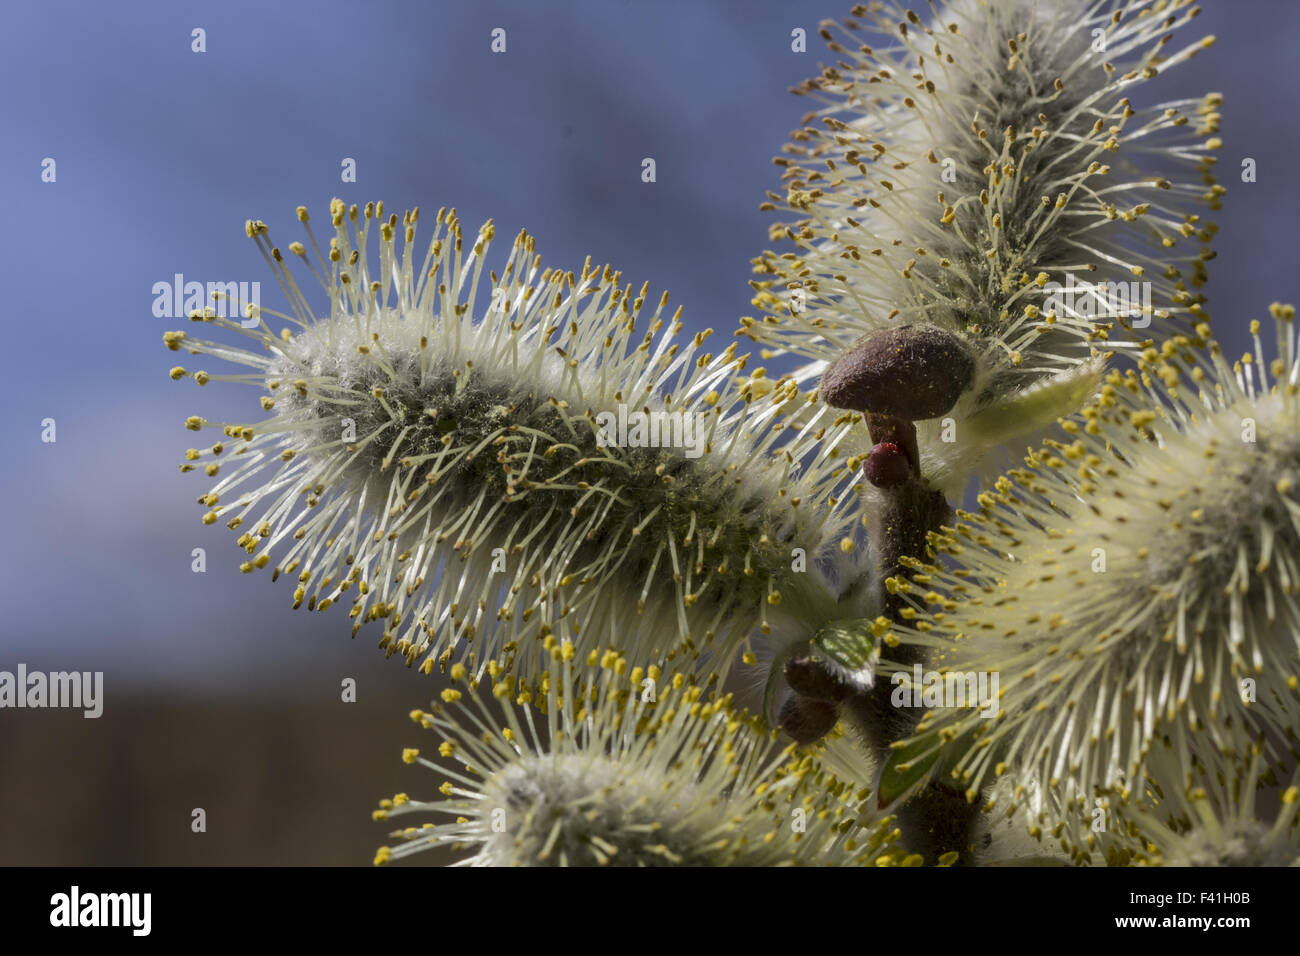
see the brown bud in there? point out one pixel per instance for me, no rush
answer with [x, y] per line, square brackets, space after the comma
[810, 678]
[807, 720]
[912, 372]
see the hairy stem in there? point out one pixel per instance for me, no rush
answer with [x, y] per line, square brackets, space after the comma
[938, 819]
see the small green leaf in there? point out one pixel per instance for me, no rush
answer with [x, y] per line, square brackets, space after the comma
[907, 766]
[769, 687]
[1037, 408]
[849, 643]
[911, 763]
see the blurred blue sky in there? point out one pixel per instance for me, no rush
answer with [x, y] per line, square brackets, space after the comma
[163, 153]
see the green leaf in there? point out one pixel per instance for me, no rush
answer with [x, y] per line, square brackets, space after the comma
[849, 643]
[911, 763]
[907, 766]
[768, 688]
[1037, 408]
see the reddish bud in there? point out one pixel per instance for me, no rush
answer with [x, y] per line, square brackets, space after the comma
[887, 466]
[810, 678]
[807, 720]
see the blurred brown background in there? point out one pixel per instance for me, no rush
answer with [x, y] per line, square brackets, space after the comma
[287, 776]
